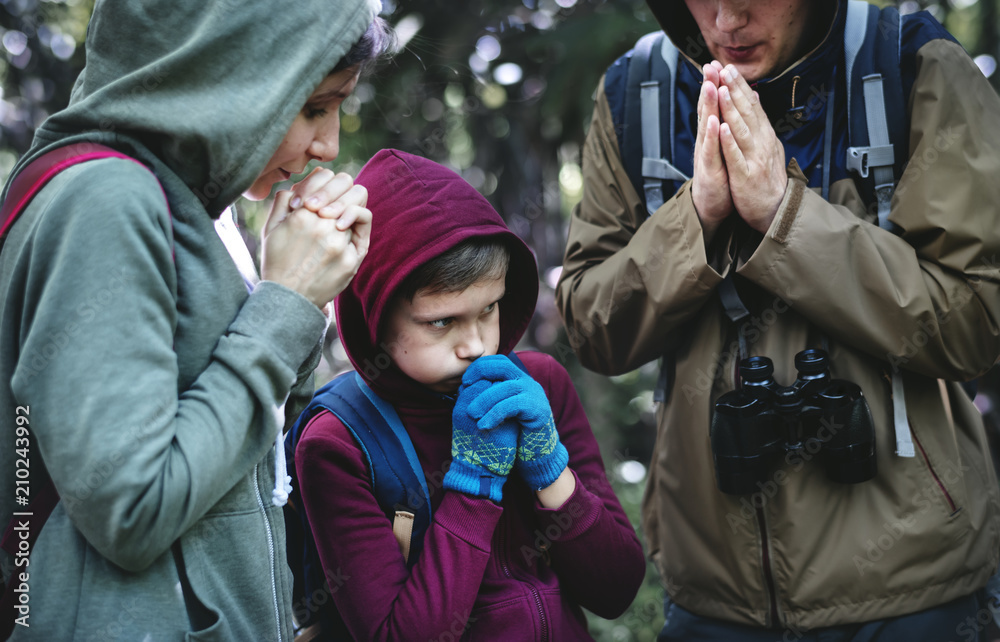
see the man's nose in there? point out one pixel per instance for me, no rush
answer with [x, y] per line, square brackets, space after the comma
[732, 15]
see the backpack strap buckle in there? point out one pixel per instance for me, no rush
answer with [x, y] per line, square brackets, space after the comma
[861, 159]
[662, 169]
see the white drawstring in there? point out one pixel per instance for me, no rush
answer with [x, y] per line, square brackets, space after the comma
[280, 495]
[228, 231]
[282, 481]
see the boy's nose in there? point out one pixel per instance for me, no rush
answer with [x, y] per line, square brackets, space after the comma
[471, 346]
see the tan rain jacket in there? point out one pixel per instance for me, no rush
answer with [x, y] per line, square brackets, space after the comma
[804, 551]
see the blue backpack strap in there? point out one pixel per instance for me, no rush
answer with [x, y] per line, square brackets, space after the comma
[397, 480]
[397, 477]
[517, 362]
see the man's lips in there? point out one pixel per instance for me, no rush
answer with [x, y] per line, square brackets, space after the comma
[740, 53]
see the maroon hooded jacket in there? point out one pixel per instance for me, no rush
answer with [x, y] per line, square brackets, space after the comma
[513, 571]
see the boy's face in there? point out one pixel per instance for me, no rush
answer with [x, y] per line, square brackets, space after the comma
[435, 337]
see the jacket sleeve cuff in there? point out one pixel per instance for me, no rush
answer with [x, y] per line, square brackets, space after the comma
[574, 518]
[790, 205]
[471, 519]
[716, 254]
[775, 240]
[283, 319]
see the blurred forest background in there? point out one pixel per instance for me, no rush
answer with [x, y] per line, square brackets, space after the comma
[499, 90]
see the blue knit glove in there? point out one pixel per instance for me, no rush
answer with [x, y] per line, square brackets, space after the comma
[481, 459]
[541, 457]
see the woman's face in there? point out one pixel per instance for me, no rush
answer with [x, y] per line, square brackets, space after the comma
[314, 135]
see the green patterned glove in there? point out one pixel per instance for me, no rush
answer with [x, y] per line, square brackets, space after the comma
[481, 459]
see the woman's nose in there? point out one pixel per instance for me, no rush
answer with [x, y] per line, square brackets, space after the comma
[326, 143]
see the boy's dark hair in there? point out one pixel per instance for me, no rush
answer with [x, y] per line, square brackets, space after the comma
[377, 42]
[458, 268]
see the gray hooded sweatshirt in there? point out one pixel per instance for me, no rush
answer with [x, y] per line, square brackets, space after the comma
[153, 381]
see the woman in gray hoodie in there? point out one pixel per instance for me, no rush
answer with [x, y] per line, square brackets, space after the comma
[151, 366]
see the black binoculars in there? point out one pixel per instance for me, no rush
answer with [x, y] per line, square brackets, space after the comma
[757, 427]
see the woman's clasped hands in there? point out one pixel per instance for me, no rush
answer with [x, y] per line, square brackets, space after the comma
[316, 235]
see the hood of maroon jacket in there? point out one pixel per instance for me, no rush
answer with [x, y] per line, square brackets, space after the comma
[421, 209]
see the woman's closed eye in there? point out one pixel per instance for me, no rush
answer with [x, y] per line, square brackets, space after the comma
[312, 112]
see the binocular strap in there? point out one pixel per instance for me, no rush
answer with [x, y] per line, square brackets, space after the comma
[736, 310]
[904, 439]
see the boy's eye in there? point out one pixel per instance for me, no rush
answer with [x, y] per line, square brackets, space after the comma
[490, 308]
[439, 323]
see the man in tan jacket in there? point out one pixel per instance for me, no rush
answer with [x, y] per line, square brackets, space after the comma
[903, 293]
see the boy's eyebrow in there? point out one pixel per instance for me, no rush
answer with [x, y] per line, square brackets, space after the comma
[423, 318]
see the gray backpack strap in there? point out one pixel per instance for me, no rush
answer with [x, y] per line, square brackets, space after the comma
[656, 168]
[878, 157]
[854, 37]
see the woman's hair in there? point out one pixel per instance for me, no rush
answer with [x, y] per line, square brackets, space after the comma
[460, 267]
[377, 42]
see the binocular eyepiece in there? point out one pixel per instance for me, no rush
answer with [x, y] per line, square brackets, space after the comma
[757, 427]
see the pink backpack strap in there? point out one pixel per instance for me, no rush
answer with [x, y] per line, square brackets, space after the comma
[40, 171]
[20, 534]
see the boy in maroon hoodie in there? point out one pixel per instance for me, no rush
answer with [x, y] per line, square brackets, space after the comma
[526, 529]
